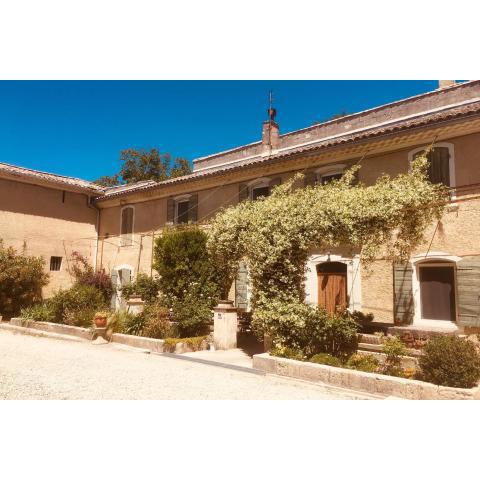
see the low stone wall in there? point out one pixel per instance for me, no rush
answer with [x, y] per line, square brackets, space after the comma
[361, 381]
[60, 328]
[153, 344]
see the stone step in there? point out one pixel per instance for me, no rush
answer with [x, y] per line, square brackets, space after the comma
[368, 347]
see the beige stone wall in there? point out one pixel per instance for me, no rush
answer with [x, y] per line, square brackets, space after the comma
[38, 220]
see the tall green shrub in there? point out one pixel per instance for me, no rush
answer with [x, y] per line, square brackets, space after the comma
[184, 265]
[144, 286]
[21, 280]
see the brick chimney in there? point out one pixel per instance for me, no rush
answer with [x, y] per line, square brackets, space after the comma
[445, 84]
[270, 136]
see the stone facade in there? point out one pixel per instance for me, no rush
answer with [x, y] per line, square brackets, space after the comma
[385, 138]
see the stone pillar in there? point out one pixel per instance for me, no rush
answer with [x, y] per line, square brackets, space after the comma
[135, 305]
[225, 325]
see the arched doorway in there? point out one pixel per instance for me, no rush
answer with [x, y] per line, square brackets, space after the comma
[332, 286]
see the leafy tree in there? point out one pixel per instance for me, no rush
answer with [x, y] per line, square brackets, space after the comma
[140, 165]
[21, 280]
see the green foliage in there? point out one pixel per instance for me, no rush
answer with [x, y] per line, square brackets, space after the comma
[363, 362]
[118, 321]
[450, 361]
[308, 329]
[326, 359]
[275, 235]
[140, 165]
[84, 274]
[40, 312]
[145, 286]
[288, 352]
[157, 322]
[394, 349]
[78, 305]
[195, 343]
[21, 280]
[193, 314]
[183, 263]
[134, 325]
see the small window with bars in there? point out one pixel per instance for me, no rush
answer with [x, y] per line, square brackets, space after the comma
[55, 264]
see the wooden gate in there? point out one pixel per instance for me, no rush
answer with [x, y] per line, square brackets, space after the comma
[332, 286]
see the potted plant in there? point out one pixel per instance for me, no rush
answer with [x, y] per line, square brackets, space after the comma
[101, 319]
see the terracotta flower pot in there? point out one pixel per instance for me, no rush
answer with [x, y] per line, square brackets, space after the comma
[100, 321]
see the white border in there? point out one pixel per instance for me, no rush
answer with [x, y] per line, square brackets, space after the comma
[354, 287]
[419, 260]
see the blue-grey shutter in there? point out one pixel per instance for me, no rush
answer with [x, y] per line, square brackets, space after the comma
[114, 277]
[241, 284]
[403, 307]
[468, 291]
[170, 210]
[242, 192]
[193, 208]
[126, 276]
[309, 179]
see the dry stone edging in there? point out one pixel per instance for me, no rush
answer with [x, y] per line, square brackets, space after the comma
[39, 333]
[58, 328]
[374, 383]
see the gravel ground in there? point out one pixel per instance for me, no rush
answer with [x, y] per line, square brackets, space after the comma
[44, 368]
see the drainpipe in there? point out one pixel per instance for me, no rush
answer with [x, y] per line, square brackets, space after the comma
[97, 227]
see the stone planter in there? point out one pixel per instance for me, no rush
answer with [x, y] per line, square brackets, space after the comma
[135, 305]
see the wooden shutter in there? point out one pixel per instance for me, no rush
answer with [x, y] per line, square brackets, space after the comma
[402, 293]
[309, 179]
[439, 168]
[170, 210]
[126, 275]
[127, 226]
[468, 291]
[241, 285]
[193, 208]
[242, 192]
[274, 182]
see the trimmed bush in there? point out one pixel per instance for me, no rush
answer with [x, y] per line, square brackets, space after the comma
[363, 362]
[287, 352]
[339, 335]
[192, 314]
[394, 349]
[326, 359]
[145, 286]
[450, 361]
[22, 278]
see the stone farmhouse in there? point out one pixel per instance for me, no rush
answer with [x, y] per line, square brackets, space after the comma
[52, 215]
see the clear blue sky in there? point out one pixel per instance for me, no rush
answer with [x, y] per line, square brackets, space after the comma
[78, 128]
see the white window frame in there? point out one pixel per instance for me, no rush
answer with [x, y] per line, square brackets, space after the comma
[432, 259]
[257, 183]
[354, 279]
[121, 243]
[328, 170]
[451, 161]
[180, 199]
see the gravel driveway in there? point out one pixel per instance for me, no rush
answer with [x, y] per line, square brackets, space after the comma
[44, 368]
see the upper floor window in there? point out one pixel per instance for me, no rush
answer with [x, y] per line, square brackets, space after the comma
[126, 226]
[324, 174]
[441, 167]
[182, 209]
[260, 187]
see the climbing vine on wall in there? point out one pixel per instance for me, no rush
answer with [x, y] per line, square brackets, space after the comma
[274, 235]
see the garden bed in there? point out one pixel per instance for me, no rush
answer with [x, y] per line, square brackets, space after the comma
[374, 383]
[155, 345]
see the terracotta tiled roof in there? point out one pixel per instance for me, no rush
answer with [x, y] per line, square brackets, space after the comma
[452, 112]
[78, 183]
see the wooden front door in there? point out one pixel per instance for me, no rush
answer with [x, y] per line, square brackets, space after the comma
[332, 286]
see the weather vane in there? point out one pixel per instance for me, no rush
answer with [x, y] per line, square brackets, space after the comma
[271, 111]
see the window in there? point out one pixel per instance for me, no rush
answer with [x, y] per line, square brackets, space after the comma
[328, 173]
[126, 230]
[55, 264]
[437, 291]
[260, 191]
[441, 168]
[182, 211]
